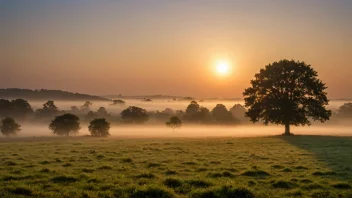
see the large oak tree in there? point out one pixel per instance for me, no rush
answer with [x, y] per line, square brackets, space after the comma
[287, 93]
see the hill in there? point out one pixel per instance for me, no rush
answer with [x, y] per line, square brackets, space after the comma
[44, 94]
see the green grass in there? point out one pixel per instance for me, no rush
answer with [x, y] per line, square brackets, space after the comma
[298, 166]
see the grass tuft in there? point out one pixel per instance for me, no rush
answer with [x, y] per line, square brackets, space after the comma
[64, 179]
[284, 184]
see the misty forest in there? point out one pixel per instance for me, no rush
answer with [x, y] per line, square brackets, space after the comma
[175, 99]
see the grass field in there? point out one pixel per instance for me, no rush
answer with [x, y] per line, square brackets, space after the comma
[299, 166]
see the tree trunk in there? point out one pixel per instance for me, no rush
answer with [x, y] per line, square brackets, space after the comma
[287, 129]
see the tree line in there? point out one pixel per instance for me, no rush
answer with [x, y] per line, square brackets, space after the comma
[285, 93]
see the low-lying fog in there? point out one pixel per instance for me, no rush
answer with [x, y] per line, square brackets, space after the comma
[140, 131]
[196, 131]
[156, 104]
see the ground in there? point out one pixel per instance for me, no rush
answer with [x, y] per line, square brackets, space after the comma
[298, 166]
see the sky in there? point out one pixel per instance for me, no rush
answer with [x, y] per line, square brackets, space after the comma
[170, 47]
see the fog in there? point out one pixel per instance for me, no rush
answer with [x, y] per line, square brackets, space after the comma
[189, 131]
[147, 131]
[156, 104]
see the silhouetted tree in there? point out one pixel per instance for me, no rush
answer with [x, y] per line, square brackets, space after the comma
[221, 114]
[65, 124]
[74, 109]
[147, 100]
[99, 127]
[196, 113]
[49, 110]
[287, 93]
[87, 105]
[118, 102]
[9, 127]
[345, 110]
[90, 116]
[5, 108]
[20, 109]
[238, 111]
[134, 115]
[174, 122]
[162, 115]
[85, 108]
[102, 112]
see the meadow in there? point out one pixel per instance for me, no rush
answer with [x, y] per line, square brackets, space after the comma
[275, 166]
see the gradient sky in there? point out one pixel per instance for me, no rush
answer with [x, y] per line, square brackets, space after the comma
[169, 47]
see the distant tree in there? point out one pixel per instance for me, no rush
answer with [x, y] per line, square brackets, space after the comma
[147, 100]
[20, 108]
[221, 114]
[162, 115]
[118, 102]
[5, 108]
[174, 122]
[192, 111]
[65, 124]
[90, 116]
[74, 109]
[345, 110]
[49, 110]
[287, 93]
[196, 113]
[85, 108]
[180, 113]
[9, 127]
[134, 115]
[102, 112]
[87, 105]
[238, 111]
[99, 127]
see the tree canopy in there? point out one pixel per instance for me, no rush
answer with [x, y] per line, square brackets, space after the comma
[99, 127]
[118, 102]
[197, 113]
[221, 114]
[134, 115]
[287, 93]
[49, 110]
[174, 122]
[238, 111]
[9, 126]
[65, 124]
[17, 108]
[345, 110]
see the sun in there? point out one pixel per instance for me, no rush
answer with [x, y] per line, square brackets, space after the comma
[222, 67]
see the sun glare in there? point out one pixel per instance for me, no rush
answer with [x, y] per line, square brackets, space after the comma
[222, 67]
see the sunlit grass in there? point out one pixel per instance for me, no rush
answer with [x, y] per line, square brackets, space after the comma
[300, 166]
